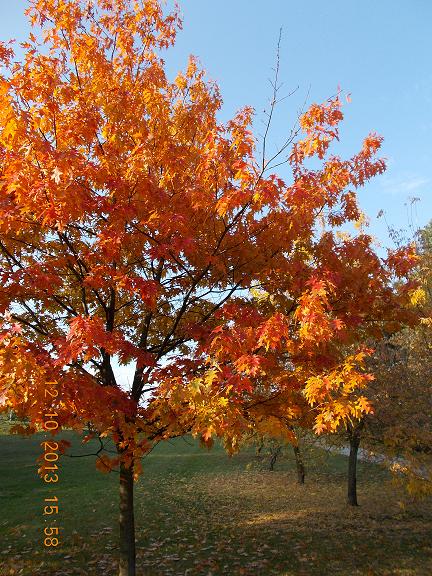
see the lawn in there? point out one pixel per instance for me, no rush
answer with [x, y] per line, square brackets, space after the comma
[200, 512]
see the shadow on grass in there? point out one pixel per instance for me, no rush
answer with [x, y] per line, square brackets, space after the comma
[201, 513]
[262, 523]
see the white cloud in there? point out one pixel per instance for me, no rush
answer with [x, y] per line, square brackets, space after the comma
[403, 184]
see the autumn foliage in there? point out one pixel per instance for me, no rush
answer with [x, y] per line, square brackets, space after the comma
[401, 427]
[136, 228]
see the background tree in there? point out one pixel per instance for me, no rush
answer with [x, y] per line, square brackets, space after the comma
[275, 447]
[399, 430]
[401, 427]
[133, 226]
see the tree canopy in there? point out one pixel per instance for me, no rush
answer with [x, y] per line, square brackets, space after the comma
[137, 228]
[134, 226]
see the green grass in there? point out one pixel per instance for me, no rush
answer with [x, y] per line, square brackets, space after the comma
[200, 512]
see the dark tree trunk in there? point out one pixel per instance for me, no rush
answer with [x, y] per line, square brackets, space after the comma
[274, 456]
[127, 565]
[352, 471]
[354, 436]
[299, 465]
[260, 447]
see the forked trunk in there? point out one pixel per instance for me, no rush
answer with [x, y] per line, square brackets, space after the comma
[274, 456]
[127, 564]
[299, 465]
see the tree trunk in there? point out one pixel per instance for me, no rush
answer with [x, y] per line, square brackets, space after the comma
[260, 446]
[299, 465]
[127, 565]
[354, 436]
[274, 456]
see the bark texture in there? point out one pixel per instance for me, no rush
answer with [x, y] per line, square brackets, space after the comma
[127, 565]
[299, 465]
[354, 436]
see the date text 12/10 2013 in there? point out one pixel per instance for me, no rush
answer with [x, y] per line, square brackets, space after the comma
[50, 468]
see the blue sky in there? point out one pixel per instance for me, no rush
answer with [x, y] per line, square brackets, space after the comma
[379, 51]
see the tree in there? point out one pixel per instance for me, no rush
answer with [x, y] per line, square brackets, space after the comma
[133, 227]
[274, 448]
[354, 437]
[401, 427]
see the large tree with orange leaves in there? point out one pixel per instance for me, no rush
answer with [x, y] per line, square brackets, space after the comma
[136, 228]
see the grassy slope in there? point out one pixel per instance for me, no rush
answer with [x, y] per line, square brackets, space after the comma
[202, 513]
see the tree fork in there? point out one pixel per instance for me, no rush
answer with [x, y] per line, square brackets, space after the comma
[274, 456]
